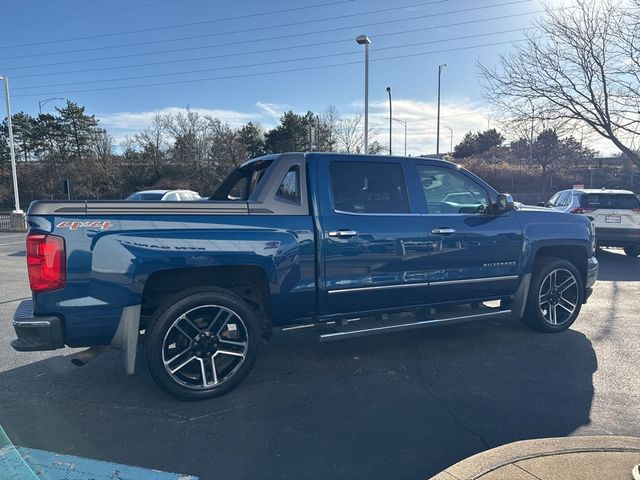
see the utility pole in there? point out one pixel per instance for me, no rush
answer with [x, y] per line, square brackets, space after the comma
[12, 150]
[450, 137]
[390, 121]
[440, 68]
[366, 41]
[404, 124]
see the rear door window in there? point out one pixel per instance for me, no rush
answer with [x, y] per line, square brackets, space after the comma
[613, 201]
[369, 187]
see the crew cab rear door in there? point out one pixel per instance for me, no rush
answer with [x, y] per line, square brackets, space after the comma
[373, 246]
[475, 254]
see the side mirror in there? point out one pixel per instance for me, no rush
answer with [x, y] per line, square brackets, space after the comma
[541, 204]
[504, 203]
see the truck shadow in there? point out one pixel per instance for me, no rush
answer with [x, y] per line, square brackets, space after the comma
[399, 406]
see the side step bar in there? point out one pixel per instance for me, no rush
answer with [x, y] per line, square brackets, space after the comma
[397, 327]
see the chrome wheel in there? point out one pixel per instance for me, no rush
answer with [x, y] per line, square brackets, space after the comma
[205, 346]
[558, 296]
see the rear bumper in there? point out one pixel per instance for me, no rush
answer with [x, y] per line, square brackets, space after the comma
[36, 333]
[618, 237]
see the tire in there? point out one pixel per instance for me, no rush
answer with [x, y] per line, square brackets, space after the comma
[632, 251]
[550, 309]
[203, 343]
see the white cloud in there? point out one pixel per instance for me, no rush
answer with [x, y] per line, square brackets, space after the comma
[273, 110]
[460, 115]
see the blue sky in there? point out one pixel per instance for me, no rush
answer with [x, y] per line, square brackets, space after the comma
[58, 49]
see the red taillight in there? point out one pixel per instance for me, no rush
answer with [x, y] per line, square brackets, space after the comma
[636, 210]
[46, 262]
[582, 210]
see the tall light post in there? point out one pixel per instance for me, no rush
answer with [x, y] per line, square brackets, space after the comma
[41, 103]
[450, 138]
[12, 150]
[366, 41]
[390, 121]
[440, 68]
[404, 124]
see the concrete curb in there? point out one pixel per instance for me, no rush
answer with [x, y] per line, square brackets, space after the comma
[492, 460]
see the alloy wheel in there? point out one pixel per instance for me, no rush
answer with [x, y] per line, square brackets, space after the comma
[205, 346]
[558, 296]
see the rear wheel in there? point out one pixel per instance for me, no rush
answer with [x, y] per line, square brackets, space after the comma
[555, 296]
[632, 251]
[202, 343]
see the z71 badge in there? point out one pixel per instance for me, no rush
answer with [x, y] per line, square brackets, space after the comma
[101, 224]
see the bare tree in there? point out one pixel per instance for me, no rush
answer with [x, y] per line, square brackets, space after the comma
[349, 136]
[153, 142]
[348, 133]
[580, 65]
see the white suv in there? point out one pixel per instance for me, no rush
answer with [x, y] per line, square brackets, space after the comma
[615, 214]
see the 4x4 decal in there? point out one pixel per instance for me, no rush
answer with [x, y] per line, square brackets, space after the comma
[101, 224]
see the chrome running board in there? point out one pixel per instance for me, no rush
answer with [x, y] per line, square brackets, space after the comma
[351, 331]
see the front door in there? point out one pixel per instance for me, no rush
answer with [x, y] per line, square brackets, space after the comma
[373, 246]
[475, 254]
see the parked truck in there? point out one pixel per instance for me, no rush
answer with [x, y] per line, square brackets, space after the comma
[356, 244]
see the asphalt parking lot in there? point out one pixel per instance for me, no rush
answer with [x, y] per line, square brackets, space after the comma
[403, 406]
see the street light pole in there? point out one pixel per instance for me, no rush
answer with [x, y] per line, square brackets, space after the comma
[366, 41]
[390, 122]
[451, 137]
[404, 124]
[45, 101]
[12, 150]
[440, 68]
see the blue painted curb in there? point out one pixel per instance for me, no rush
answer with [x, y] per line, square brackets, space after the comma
[20, 463]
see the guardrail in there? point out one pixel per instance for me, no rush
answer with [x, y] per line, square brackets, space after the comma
[11, 223]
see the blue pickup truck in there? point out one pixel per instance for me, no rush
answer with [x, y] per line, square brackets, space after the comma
[351, 244]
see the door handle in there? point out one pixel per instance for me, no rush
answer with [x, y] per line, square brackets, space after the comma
[343, 233]
[443, 231]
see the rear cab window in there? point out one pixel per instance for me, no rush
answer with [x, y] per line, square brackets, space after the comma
[289, 189]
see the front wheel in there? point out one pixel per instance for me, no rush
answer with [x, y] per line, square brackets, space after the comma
[555, 296]
[632, 251]
[202, 343]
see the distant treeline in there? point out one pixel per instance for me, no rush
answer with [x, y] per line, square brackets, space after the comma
[189, 150]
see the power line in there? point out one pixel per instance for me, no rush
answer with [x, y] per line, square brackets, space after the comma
[241, 42]
[257, 74]
[85, 15]
[215, 20]
[269, 50]
[262, 64]
[215, 34]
